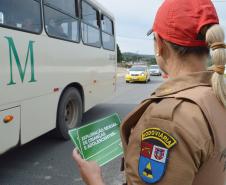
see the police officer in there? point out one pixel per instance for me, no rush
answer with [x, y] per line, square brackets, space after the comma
[178, 136]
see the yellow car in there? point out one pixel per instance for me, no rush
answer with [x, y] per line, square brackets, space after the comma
[138, 74]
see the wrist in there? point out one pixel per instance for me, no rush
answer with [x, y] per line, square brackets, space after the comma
[98, 181]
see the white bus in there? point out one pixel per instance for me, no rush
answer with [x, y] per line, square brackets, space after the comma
[57, 60]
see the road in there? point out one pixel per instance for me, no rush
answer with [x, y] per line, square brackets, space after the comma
[47, 160]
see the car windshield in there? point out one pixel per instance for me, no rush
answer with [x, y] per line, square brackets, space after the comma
[154, 67]
[137, 69]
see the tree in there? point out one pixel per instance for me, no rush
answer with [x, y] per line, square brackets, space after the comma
[153, 61]
[119, 55]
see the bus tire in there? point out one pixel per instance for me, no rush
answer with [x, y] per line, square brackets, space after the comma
[69, 114]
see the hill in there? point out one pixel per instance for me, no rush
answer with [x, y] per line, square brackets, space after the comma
[134, 57]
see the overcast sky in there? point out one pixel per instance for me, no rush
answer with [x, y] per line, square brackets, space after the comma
[135, 17]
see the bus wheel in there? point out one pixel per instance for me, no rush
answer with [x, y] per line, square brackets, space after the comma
[69, 114]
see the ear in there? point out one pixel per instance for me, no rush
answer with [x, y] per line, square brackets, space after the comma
[159, 44]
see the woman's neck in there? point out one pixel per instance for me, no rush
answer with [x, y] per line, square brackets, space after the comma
[182, 66]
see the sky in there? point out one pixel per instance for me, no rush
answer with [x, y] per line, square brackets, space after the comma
[135, 17]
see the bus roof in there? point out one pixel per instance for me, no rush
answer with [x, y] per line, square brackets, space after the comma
[102, 8]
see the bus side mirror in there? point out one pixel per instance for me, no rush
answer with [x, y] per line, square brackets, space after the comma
[1, 18]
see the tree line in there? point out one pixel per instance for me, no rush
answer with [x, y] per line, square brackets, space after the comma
[134, 57]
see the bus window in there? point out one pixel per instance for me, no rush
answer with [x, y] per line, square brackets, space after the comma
[108, 39]
[23, 15]
[1, 18]
[90, 25]
[61, 19]
[107, 25]
[67, 6]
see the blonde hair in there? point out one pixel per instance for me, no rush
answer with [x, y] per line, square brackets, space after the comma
[215, 34]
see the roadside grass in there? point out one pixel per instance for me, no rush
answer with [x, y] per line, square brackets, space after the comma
[224, 75]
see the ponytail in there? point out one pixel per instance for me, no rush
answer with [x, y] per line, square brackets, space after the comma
[215, 39]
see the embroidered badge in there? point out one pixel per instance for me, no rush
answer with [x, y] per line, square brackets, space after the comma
[155, 146]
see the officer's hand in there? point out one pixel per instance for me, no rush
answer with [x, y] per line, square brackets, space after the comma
[90, 171]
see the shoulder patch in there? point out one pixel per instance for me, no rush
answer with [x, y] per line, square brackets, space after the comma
[155, 146]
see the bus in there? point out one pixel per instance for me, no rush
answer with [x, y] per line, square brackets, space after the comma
[57, 60]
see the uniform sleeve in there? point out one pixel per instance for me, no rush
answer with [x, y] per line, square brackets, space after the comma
[150, 160]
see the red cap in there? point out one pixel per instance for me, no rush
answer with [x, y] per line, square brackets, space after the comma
[180, 21]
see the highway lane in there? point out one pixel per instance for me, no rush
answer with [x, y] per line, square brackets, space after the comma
[47, 160]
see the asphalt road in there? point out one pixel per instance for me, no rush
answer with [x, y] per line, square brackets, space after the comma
[47, 160]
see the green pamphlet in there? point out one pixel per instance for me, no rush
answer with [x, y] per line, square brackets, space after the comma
[99, 141]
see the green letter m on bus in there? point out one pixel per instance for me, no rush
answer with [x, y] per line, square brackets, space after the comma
[22, 71]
